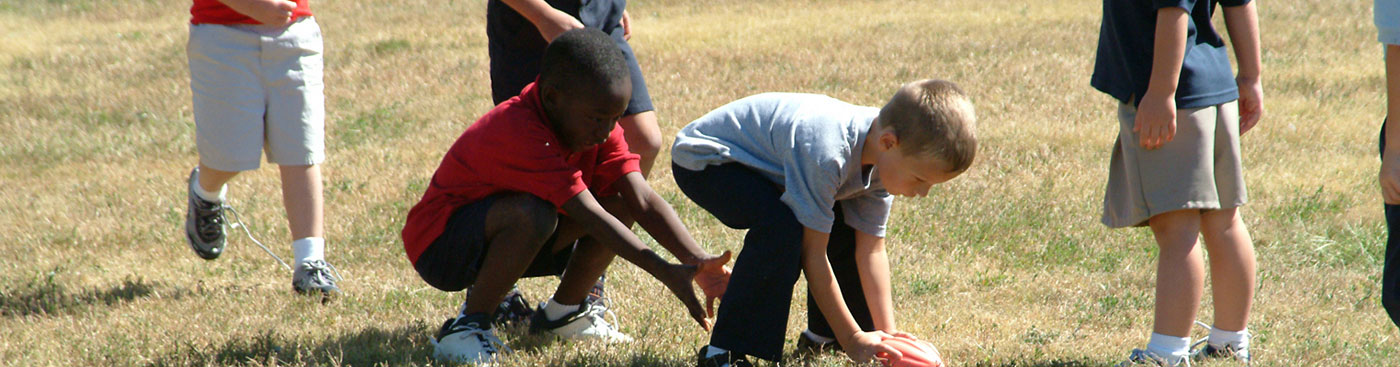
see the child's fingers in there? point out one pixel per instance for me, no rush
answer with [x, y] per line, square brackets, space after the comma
[891, 354]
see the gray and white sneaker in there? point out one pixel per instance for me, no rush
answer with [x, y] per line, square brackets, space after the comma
[204, 223]
[468, 339]
[1228, 352]
[315, 275]
[1142, 357]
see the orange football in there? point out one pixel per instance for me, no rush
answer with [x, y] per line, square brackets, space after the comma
[917, 353]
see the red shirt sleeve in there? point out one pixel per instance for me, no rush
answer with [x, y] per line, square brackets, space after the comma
[614, 161]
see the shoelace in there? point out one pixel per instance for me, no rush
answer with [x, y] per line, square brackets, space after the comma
[212, 218]
[1198, 346]
[489, 341]
[600, 302]
[320, 271]
[238, 223]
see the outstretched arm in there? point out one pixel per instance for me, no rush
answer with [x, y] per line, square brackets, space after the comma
[605, 228]
[1243, 24]
[874, 268]
[657, 217]
[860, 346]
[550, 21]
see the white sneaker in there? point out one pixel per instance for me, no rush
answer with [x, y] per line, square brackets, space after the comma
[1142, 357]
[588, 323]
[463, 340]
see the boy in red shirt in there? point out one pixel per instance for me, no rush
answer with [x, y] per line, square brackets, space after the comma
[544, 184]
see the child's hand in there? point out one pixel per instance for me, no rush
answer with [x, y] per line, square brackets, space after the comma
[1251, 103]
[713, 277]
[1156, 120]
[555, 23]
[865, 345]
[677, 278]
[269, 12]
[626, 24]
[1390, 176]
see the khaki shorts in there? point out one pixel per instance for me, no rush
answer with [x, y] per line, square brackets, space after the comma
[1199, 169]
[257, 88]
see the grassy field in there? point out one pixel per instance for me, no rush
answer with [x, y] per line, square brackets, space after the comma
[1005, 266]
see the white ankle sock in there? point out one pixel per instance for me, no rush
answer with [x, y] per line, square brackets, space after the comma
[714, 351]
[554, 310]
[217, 197]
[817, 338]
[1174, 349]
[309, 249]
[1221, 338]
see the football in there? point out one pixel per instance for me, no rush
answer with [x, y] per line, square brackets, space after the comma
[917, 353]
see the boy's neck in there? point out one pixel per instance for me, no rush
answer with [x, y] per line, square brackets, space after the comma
[869, 153]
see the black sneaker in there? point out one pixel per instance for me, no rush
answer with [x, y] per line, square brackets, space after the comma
[204, 223]
[1229, 352]
[726, 359]
[806, 346]
[513, 310]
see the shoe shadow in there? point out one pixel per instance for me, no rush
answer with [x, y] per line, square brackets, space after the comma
[49, 296]
[374, 346]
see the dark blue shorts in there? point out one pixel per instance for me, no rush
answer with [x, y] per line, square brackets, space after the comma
[452, 262]
[516, 46]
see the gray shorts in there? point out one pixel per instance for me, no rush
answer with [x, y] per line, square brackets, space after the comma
[1199, 169]
[256, 88]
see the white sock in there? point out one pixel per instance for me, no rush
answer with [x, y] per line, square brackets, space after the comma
[554, 310]
[217, 197]
[1221, 338]
[309, 249]
[1174, 349]
[817, 338]
[714, 351]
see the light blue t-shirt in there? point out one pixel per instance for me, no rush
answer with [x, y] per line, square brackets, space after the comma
[809, 144]
[1387, 17]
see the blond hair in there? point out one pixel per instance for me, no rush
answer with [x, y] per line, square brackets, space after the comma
[933, 118]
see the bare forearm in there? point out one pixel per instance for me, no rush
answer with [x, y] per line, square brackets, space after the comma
[657, 217]
[825, 290]
[1243, 24]
[532, 10]
[612, 233]
[874, 267]
[1168, 51]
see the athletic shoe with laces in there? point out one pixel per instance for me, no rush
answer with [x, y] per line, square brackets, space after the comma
[1142, 357]
[586, 323]
[1229, 352]
[315, 275]
[513, 310]
[468, 339]
[204, 223]
[726, 359]
[807, 346]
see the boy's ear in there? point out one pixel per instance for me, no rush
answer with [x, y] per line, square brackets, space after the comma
[888, 140]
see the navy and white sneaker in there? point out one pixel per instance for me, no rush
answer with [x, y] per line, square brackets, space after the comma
[1142, 357]
[726, 359]
[315, 276]
[468, 339]
[1228, 352]
[586, 323]
[204, 223]
[515, 309]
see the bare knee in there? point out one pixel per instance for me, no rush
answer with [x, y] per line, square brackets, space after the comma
[523, 215]
[1176, 230]
[642, 133]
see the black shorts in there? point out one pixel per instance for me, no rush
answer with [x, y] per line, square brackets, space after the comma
[452, 262]
[516, 47]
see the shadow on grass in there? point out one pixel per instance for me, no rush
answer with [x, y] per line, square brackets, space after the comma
[1072, 362]
[46, 296]
[404, 345]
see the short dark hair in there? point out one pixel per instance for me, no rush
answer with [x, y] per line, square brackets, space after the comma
[933, 118]
[583, 58]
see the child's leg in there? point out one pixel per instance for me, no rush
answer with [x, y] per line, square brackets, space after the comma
[590, 258]
[643, 137]
[753, 313]
[517, 227]
[301, 194]
[841, 252]
[1232, 267]
[1180, 272]
[212, 180]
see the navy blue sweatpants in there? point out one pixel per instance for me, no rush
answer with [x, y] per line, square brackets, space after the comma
[753, 313]
[1390, 276]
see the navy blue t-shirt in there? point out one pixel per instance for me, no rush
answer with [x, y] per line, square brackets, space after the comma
[1124, 63]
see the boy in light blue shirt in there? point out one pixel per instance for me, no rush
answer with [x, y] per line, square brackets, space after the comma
[811, 177]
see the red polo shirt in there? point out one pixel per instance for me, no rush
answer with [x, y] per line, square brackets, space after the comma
[512, 149]
[215, 12]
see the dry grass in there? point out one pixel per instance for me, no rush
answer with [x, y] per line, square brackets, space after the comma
[1006, 266]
